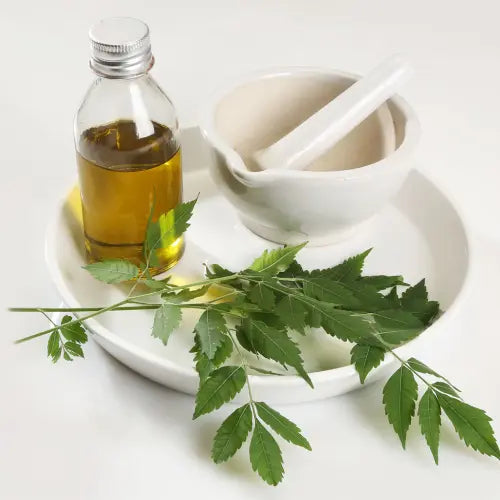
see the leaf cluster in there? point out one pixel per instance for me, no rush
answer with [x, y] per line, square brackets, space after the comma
[266, 307]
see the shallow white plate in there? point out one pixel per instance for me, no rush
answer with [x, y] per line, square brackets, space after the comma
[420, 234]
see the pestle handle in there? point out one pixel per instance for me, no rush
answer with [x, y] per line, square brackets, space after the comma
[330, 124]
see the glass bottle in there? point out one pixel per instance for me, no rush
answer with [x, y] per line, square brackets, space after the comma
[126, 139]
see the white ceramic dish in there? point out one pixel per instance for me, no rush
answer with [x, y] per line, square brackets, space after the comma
[420, 234]
[357, 176]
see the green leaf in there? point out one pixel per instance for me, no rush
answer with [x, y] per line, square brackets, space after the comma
[365, 358]
[67, 357]
[423, 368]
[73, 348]
[471, 424]
[393, 299]
[272, 344]
[420, 367]
[220, 387]
[185, 295]
[53, 346]
[113, 270]
[154, 284]
[368, 297]
[167, 319]
[57, 354]
[381, 282]
[169, 226]
[232, 434]
[294, 270]
[282, 426]
[333, 292]
[265, 455]
[211, 330]
[446, 388]
[223, 352]
[396, 327]
[429, 417]
[216, 271]
[75, 331]
[347, 271]
[415, 300]
[262, 295]
[400, 394]
[345, 325]
[276, 261]
[205, 366]
[292, 312]
[264, 372]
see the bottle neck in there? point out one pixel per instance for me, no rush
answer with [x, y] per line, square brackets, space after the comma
[120, 69]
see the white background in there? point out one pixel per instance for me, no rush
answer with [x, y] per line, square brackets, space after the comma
[96, 430]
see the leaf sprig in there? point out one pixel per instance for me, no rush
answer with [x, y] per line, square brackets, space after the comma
[260, 311]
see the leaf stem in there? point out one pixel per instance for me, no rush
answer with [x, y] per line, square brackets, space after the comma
[83, 318]
[245, 368]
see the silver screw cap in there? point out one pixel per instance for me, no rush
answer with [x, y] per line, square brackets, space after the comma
[120, 47]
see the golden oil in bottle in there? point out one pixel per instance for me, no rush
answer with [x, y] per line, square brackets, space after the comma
[126, 137]
[122, 177]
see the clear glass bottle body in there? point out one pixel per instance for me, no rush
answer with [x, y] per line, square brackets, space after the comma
[129, 164]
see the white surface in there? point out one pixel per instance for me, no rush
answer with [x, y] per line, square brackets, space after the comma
[325, 128]
[96, 430]
[428, 241]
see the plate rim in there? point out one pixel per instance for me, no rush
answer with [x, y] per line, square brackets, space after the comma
[100, 332]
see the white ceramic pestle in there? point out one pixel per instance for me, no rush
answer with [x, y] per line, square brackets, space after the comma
[313, 137]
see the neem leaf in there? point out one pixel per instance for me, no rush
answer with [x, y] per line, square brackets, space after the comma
[75, 331]
[167, 319]
[368, 297]
[429, 417]
[282, 426]
[276, 261]
[272, 344]
[185, 294]
[346, 271]
[53, 346]
[73, 348]
[216, 271]
[396, 326]
[345, 325]
[220, 387]
[333, 292]
[393, 299]
[400, 394]
[211, 330]
[223, 352]
[292, 312]
[381, 282]
[423, 368]
[262, 295]
[232, 434]
[169, 226]
[365, 358]
[113, 270]
[446, 388]
[205, 366]
[415, 300]
[154, 284]
[265, 455]
[294, 270]
[265, 372]
[471, 424]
